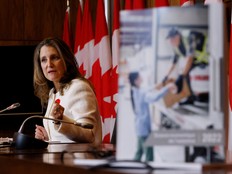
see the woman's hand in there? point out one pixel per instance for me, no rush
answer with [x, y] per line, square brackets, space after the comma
[57, 111]
[41, 133]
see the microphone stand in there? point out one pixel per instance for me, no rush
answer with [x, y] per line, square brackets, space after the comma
[23, 141]
[83, 125]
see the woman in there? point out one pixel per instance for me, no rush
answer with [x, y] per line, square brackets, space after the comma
[66, 95]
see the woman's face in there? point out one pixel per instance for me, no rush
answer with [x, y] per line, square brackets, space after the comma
[52, 64]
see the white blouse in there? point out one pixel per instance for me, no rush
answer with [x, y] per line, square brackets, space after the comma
[80, 105]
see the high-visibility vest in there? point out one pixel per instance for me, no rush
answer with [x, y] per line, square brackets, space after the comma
[201, 54]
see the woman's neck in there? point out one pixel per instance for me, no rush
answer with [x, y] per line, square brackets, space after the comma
[56, 87]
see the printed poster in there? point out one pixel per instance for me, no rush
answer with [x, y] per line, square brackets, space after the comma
[171, 85]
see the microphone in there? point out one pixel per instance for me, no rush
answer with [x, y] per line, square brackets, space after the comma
[13, 106]
[23, 141]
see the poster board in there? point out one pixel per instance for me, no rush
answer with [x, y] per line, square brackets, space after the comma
[180, 130]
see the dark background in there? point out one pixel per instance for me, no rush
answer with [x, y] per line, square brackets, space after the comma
[16, 74]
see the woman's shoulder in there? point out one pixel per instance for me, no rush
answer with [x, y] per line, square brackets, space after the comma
[80, 84]
[79, 81]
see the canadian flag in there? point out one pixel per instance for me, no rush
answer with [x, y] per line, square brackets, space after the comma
[134, 4]
[115, 61]
[161, 3]
[128, 5]
[184, 3]
[77, 41]
[85, 54]
[101, 71]
[138, 4]
[66, 33]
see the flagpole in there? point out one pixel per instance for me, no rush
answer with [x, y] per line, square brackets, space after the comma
[67, 3]
[68, 7]
[67, 27]
[81, 3]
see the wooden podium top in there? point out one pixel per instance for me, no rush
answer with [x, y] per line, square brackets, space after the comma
[57, 158]
[60, 158]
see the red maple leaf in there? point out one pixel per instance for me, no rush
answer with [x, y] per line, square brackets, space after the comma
[103, 88]
[114, 89]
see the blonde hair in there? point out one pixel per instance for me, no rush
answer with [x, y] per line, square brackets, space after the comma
[42, 86]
